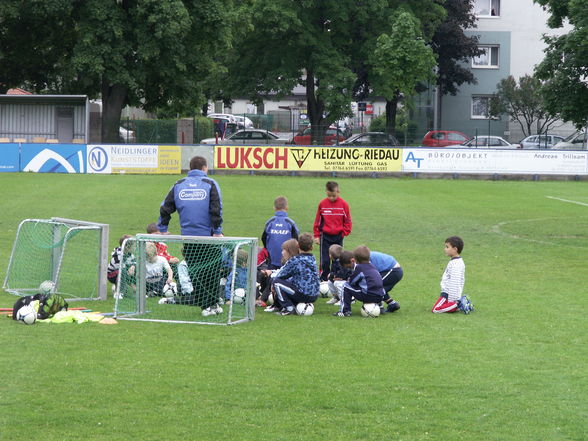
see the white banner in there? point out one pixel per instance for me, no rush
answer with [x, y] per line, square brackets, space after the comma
[445, 160]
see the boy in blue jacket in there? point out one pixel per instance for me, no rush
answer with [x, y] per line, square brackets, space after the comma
[278, 229]
[391, 273]
[365, 283]
[298, 280]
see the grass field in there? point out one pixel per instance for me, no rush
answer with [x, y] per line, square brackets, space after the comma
[513, 370]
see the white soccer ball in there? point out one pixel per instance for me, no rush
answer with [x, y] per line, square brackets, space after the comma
[27, 315]
[305, 308]
[239, 296]
[46, 287]
[170, 289]
[371, 310]
[324, 289]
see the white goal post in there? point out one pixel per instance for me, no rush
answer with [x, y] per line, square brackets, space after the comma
[72, 253]
[215, 279]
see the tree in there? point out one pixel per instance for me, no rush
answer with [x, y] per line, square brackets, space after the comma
[565, 66]
[523, 102]
[399, 62]
[454, 50]
[150, 53]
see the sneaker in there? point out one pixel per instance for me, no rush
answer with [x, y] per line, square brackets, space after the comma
[286, 311]
[217, 309]
[337, 303]
[342, 314]
[168, 300]
[208, 312]
[394, 306]
[332, 301]
[271, 308]
[464, 305]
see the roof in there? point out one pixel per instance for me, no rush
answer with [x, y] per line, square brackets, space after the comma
[79, 100]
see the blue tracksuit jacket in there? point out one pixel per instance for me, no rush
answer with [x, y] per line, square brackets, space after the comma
[278, 230]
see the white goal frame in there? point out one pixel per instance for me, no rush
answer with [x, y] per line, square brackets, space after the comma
[57, 258]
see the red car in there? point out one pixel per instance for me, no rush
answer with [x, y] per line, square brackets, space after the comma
[443, 138]
[330, 138]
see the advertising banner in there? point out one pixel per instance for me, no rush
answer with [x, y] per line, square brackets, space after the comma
[10, 158]
[444, 160]
[53, 158]
[135, 159]
[299, 158]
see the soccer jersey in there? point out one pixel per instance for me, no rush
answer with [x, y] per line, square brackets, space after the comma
[332, 217]
[453, 279]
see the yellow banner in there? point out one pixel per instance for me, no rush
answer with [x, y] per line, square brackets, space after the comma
[295, 158]
[162, 159]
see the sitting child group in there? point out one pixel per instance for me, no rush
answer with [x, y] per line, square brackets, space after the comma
[288, 274]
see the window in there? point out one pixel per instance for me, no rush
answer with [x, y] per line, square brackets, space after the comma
[456, 137]
[487, 59]
[480, 107]
[487, 8]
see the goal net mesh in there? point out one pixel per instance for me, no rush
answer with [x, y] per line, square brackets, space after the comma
[67, 254]
[213, 277]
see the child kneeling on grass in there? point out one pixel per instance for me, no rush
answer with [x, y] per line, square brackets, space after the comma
[453, 280]
[365, 283]
[298, 280]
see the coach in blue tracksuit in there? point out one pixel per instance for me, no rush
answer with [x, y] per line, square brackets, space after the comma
[197, 199]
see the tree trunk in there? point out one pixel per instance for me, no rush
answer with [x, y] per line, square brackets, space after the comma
[315, 110]
[391, 109]
[113, 99]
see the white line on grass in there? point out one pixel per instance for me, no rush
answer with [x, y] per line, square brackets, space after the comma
[567, 200]
[498, 230]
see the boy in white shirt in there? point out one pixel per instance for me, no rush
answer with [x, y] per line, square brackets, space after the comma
[453, 280]
[156, 268]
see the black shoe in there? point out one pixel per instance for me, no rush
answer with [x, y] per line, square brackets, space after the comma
[342, 314]
[394, 306]
[286, 311]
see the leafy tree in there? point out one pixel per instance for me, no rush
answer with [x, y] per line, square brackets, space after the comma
[400, 61]
[454, 49]
[523, 102]
[565, 66]
[152, 53]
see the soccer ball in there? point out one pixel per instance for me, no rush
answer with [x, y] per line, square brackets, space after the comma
[371, 310]
[170, 289]
[27, 315]
[46, 287]
[324, 289]
[305, 308]
[239, 296]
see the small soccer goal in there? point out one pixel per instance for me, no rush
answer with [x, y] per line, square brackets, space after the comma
[213, 279]
[73, 254]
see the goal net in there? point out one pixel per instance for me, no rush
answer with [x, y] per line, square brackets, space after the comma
[215, 279]
[70, 253]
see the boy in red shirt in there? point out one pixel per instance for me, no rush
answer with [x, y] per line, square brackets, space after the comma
[331, 225]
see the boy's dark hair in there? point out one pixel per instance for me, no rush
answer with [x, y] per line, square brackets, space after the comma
[345, 258]
[362, 254]
[332, 186]
[335, 250]
[198, 163]
[280, 203]
[152, 228]
[455, 242]
[305, 242]
[123, 237]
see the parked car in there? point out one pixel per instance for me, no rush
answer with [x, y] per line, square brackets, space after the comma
[249, 137]
[331, 135]
[540, 141]
[371, 139]
[577, 141]
[226, 116]
[444, 138]
[488, 142]
[243, 121]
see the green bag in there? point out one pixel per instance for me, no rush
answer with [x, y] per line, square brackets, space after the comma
[51, 304]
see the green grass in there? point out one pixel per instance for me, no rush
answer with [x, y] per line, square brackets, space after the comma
[513, 370]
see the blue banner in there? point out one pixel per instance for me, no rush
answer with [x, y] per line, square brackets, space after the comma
[9, 158]
[54, 158]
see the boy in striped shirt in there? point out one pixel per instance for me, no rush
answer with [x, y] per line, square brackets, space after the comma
[453, 280]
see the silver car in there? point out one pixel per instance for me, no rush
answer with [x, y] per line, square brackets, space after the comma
[577, 141]
[249, 137]
[540, 141]
[487, 142]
